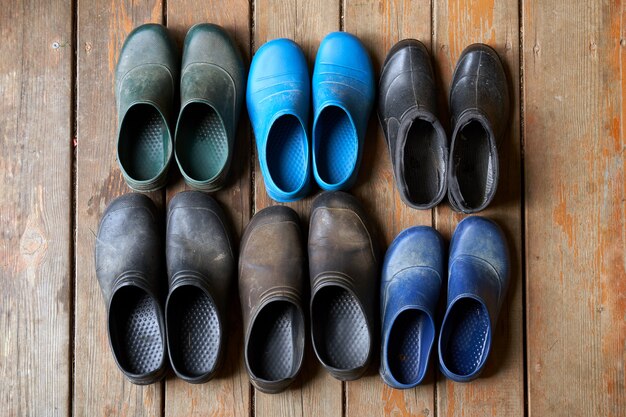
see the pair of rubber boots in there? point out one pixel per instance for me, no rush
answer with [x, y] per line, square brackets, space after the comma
[279, 98]
[166, 294]
[211, 80]
[336, 295]
[413, 274]
[424, 166]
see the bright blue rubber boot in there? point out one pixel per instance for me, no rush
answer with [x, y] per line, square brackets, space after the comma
[478, 278]
[278, 98]
[412, 275]
[343, 95]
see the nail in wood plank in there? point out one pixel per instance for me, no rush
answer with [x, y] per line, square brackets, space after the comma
[35, 242]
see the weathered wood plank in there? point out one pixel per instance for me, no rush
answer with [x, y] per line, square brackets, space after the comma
[380, 25]
[459, 23]
[315, 392]
[35, 243]
[229, 392]
[100, 388]
[574, 90]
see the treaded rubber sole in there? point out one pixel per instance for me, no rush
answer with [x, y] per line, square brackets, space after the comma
[410, 341]
[342, 335]
[274, 353]
[193, 332]
[143, 149]
[286, 153]
[201, 143]
[336, 145]
[467, 341]
[137, 339]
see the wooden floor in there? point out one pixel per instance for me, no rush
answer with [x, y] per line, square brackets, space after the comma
[560, 345]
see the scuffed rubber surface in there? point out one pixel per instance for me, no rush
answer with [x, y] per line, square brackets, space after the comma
[136, 334]
[467, 340]
[336, 145]
[410, 340]
[286, 153]
[143, 148]
[424, 163]
[342, 335]
[273, 352]
[201, 143]
[473, 164]
[194, 331]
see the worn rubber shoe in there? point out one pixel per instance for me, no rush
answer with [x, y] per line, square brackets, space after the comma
[201, 271]
[479, 107]
[271, 289]
[413, 272]
[146, 79]
[278, 97]
[212, 84]
[407, 111]
[478, 278]
[131, 274]
[343, 267]
[343, 96]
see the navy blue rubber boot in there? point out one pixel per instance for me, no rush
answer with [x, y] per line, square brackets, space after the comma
[478, 278]
[413, 272]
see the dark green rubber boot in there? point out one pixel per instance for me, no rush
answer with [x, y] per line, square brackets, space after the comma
[146, 79]
[212, 87]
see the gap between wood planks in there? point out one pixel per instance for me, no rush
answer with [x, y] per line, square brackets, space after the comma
[522, 133]
[162, 383]
[73, 196]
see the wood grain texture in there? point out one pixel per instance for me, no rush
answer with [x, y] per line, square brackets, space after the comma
[380, 25]
[229, 392]
[315, 392]
[458, 23]
[35, 242]
[574, 63]
[100, 388]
